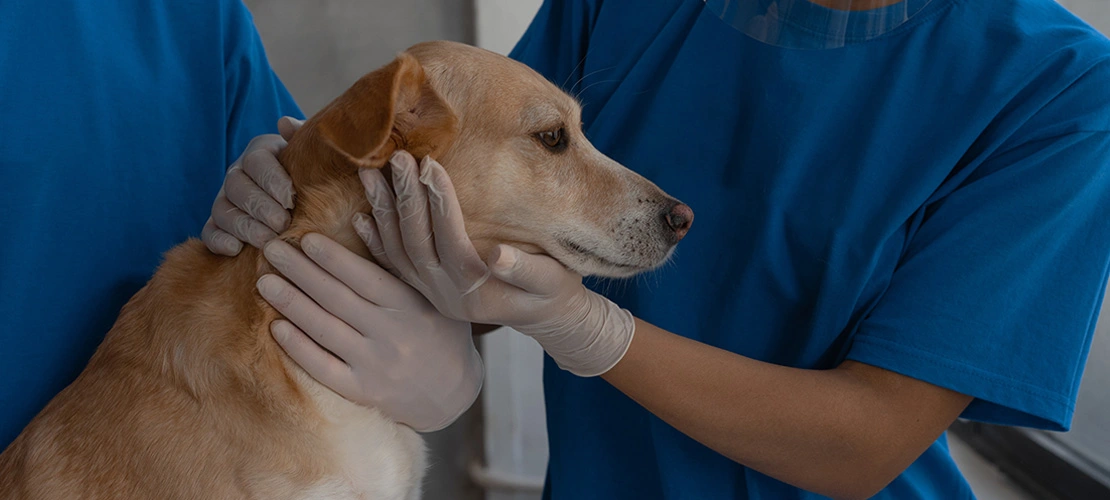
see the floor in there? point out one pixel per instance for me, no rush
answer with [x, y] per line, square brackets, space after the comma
[986, 480]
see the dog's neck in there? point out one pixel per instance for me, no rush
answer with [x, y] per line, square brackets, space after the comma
[328, 191]
[216, 295]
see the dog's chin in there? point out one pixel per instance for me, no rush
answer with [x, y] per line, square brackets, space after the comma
[580, 259]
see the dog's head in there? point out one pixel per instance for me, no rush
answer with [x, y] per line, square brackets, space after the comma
[513, 145]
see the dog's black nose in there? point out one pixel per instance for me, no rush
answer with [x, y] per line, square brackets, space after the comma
[679, 219]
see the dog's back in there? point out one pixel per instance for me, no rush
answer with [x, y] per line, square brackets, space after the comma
[186, 399]
[189, 396]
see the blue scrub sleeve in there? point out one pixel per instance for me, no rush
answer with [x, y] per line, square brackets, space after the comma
[998, 290]
[256, 98]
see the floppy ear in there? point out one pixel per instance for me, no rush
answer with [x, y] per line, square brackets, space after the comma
[392, 108]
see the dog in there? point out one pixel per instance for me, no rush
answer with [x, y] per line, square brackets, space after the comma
[189, 397]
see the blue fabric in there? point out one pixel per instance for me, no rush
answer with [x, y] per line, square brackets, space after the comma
[119, 121]
[933, 202]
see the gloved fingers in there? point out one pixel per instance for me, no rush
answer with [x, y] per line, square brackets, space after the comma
[318, 362]
[261, 164]
[383, 208]
[324, 289]
[218, 241]
[412, 212]
[368, 231]
[324, 328]
[363, 277]
[287, 125]
[263, 167]
[535, 274]
[243, 192]
[238, 223]
[459, 258]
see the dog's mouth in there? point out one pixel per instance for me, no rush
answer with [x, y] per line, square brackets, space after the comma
[618, 268]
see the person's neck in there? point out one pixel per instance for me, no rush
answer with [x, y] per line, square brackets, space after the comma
[855, 5]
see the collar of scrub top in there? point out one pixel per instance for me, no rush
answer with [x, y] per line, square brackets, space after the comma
[815, 24]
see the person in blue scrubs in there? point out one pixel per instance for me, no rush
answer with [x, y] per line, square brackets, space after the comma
[899, 222]
[121, 119]
[902, 219]
[932, 202]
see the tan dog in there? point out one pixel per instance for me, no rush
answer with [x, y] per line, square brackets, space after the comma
[189, 397]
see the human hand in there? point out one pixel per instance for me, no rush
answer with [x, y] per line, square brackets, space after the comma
[370, 337]
[253, 204]
[417, 233]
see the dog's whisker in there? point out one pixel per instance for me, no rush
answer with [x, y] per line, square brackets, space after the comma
[587, 75]
[580, 92]
[571, 74]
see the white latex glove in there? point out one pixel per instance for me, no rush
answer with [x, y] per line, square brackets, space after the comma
[418, 234]
[253, 204]
[370, 337]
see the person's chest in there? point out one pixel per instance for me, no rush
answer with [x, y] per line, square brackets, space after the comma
[111, 113]
[113, 147]
[807, 172]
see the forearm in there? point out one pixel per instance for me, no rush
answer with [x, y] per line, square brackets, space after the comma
[835, 432]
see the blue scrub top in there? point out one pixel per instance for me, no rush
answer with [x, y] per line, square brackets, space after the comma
[935, 202]
[120, 118]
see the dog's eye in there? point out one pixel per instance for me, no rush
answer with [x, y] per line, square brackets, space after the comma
[554, 140]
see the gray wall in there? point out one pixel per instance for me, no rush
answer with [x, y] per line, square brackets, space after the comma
[1095, 12]
[319, 48]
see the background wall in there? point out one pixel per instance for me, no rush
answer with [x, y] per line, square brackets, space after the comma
[320, 47]
[1095, 12]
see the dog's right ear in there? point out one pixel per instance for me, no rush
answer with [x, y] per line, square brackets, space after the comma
[391, 108]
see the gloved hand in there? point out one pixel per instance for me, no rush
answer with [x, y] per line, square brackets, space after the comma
[253, 204]
[389, 347]
[418, 234]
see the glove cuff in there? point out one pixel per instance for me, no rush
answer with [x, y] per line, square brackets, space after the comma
[598, 343]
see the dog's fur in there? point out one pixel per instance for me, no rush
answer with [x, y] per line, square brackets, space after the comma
[189, 397]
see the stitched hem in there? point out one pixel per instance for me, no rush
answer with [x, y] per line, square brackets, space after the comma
[1040, 407]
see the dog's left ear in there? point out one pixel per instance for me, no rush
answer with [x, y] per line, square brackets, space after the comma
[391, 108]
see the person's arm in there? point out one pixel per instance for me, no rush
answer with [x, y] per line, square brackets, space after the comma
[844, 433]
[1008, 269]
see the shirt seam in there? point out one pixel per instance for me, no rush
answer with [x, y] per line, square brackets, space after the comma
[931, 356]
